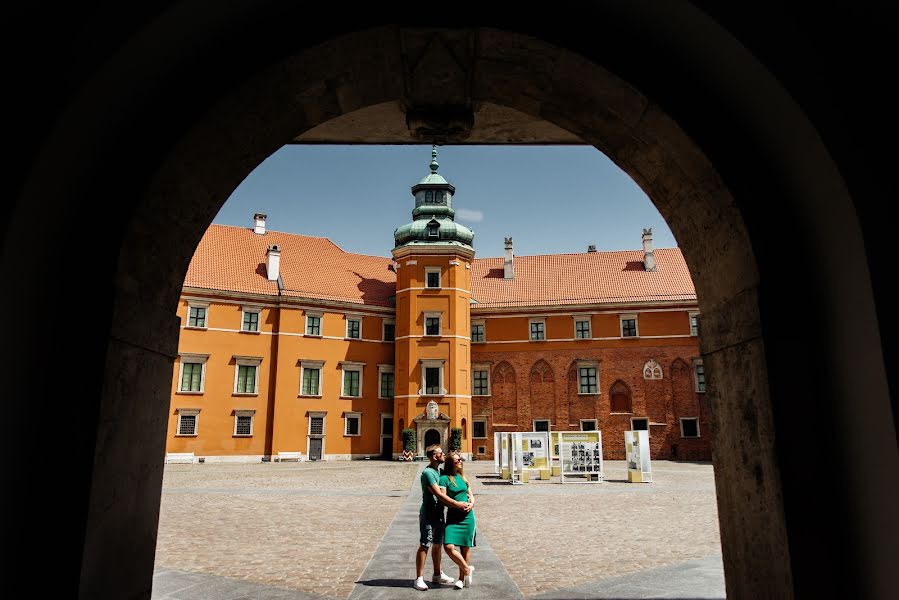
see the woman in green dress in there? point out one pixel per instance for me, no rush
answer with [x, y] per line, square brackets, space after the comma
[460, 527]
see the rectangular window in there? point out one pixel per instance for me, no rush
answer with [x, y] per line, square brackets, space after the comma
[689, 427]
[389, 332]
[246, 379]
[316, 426]
[243, 425]
[432, 325]
[538, 330]
[352, 424]
[629, 327]
[432, 380]
[588, 424]
[477, 332]
[479, 385]
[313, 325]
[694, 324]
[479, 429]
[311, 381]
[351, 383]
[541, 425]
[700, 377]
[433, 278]
[250, 321]
[353, 328]
[639, 424]
[386, 385]
[191, 377]
[187, 424]
[482, 450]
[197, 316]
[587, 376]
[582, 330]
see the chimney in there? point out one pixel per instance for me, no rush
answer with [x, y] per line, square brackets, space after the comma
[591, 248]
[649, 260]
[508, 267]
[274, 261]
[259, 219]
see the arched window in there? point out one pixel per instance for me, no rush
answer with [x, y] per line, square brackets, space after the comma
[429, 197]
[464, 429]
[652, 370]
[620, 396]
[438, 197]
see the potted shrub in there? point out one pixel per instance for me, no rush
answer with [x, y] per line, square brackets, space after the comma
[455, 441]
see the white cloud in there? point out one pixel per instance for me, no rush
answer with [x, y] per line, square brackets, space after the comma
[475, 216]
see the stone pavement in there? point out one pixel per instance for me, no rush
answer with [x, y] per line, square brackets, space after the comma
[223, 530]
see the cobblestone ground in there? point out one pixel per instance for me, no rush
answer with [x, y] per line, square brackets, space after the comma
[289, 525]
[298, 525]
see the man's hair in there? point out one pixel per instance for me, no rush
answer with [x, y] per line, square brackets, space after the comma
[430, 450]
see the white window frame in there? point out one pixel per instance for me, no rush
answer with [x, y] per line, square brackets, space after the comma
[381, 370]
[697, 362]
[549, 424]
[432, 364]
[482, 450]
[651, 364]
[587, 364]
[251, 309]
[346, 422]
[244, 413]
[345, 366]
[246, 361]
[594, 421]
[321, 324]
[439, 272]
[194, 359]
[541, 320]
[580, 318]
[479, 420]
[689, 437]
[312, 414]
[346, 331]
[482, 323]
[624, 317]
[312, 365]
[432, 315]
[640, 419]
[480, 367]
[188, 412]
[384, 324]
[690, 317]
[205, 306]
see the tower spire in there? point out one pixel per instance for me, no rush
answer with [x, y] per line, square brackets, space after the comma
[434, 166]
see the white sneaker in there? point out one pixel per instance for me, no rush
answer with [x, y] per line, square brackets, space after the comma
[420, 584]
[469, 576]
[442, 578]
[459, 584]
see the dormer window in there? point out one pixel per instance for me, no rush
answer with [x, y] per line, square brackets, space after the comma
[433, 227]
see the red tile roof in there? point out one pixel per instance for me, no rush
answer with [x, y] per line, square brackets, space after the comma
[234, 259]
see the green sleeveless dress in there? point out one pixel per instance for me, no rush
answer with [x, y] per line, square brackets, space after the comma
[460, 526]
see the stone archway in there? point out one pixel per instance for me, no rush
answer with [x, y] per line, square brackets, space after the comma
[432, 436]
[186, 167]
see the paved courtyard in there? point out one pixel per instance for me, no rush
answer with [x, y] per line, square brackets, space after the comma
[348, 529]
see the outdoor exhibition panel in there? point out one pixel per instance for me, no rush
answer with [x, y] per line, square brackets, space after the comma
[580, 455]
[532, 453]
[554, 452]
[636, 449]
[502, 451]
[497, 436]
[517, 474]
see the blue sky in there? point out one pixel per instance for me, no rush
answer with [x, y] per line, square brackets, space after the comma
[549, 199]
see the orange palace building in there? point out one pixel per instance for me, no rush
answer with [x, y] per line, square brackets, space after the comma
[291, 347]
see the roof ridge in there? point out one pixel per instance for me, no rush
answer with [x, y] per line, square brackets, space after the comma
[576, 253]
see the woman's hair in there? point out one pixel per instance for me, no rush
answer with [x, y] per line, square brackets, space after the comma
[449, 467]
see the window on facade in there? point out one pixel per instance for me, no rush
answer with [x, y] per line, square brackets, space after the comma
[432, 231]
[480, 385]
[640, 424]
[479, 429]
[250, 321]
[429, 197]
[196, 316]
[246, 379]
[386, 385]
[620, 398]
[700, 376]
[352, 424]
[587, 380]
[582, 330]
[432, 380]
[191, 377]
[351, 383]
[439, 197]
[482, 450]
[389, 332]
[477, 332]
[311, 381]
[243, 424]
[538, 330]
[694, 324]
[316, 426]
[689, 427]
[353, 328]
[652, 370]
[313, 325]
[187, 424]
[432, 325]
[433, 277]
[629, 327]
[541, 425]
[588, 424]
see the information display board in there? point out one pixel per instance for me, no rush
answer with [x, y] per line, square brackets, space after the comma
[497, 448]
[516, 457]
[501, 453]
[580, 455]
[636, 454]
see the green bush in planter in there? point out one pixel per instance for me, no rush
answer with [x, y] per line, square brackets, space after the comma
[409, 440]
[455, 441]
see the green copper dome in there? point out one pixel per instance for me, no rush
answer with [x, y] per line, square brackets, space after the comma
[433, 215]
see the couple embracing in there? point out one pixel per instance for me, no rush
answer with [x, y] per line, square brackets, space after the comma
[456, 530]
